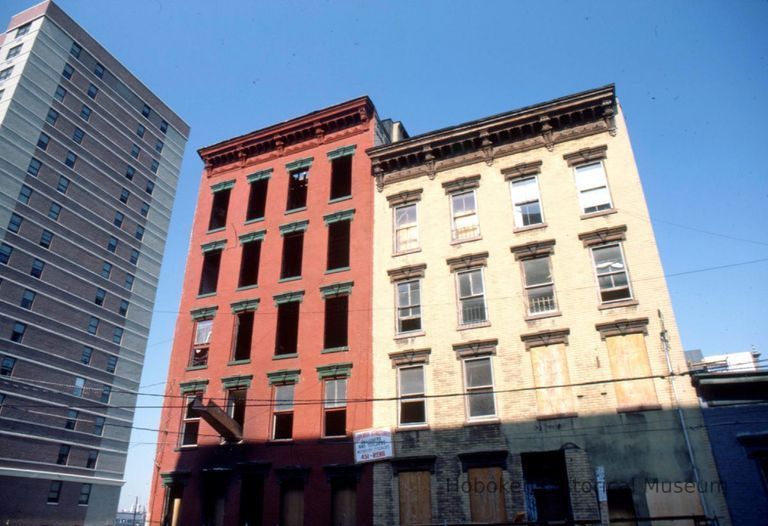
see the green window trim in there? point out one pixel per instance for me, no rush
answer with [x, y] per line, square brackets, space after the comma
[252, 236]
[284, 376]
[334, 370]
[233, 382]
[213, 246]
[258, 176]
[224, 185]
[245, 305]
[342, 215]
[299, 164]
[337, 289]
[342, 152]
[298, 226]
[289, 297]
[204, 313]
[193, 386]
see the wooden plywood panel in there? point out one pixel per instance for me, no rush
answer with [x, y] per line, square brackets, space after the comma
[344, 505]
[629, 359]
[292, 506]
[415, 497]
[550, 367]
[671, 501]
[486, 497]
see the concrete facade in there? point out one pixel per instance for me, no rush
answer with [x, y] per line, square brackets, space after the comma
[78, 281]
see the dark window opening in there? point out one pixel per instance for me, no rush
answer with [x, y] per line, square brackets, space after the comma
[297, 189]
[244, 336]
[343, 503]
[252, 500]
[293, 249]
[209, 278]
[621, 505]
[335, 408]
[63, 455]
[283, 426]
[190, 425]
[336, 322]
[546, 486]
[93, 456]
[219, 210]
[236, 402]
[71, 421]
[338, 245]
[287, 328]
[257, 200]
[249, 264]
[54, 492]
[341, 177]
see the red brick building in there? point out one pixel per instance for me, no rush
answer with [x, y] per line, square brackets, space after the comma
[272, 344]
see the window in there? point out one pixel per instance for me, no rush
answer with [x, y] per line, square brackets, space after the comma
[78, 387]
[335, 407]
[628, 358]
[236, 403]
[34, 167]
[163, 126]
[209, 277]
[54, 492]
[154, 165]
[282, 428]
[71, 159]
[471, 297]
[23, 30]
[292, 502]
[37, 268]
[25, 194]
[46, 238]
[297, 189]
[287, 328]
[150, 187]
[42, 141]
[550, 367]
[60, 93]
[415, 497]
[75, 49]
[85, 495]
[85, 112]
[409, 306]
[539, 288]
[13, 52]
[203, 330]
[98, 70]
[139, 232]
[343, 502]
[100, 295]
[27, 299]
[135, 151]
[479, 388]
[526, 201]
[106, 391]
[244, 331]
[611, 273]
[68, 70]
[4, 74]
[5, 253]
[93, 456]
[146, 110]
[54, 211]
[86, 355]
[71, 421]
[257, 199]
[52, 117]
[129, 173]
[129, 279]
[118, 221]
[293, 248]
[249, 264]
[63, 184]
[144, 209]
[336, 322]
[190, 423]
[341, 177]
[106, 270]
[123, 309]
[93, 325]
[140, 130]
[111, 364]
[406, 228]
[78, 135]
[159, 146]
[464, 214]
[63, 455]
[7, 365]
[219, 208]
[14, 224]
[124, 195]
[134, 256]
[593, 187]
[338, 245]
[98, 425]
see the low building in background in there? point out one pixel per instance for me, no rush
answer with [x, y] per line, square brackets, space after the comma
[131, 518]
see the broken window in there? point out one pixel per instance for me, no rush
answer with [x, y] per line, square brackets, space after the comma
[292, 503]
[481, 401]
[200, 346]
[486, 496]
[341, 177]
[282, 426]
[611, 273]
[415, 497]
[338, 245]
[244, 336]
[257, 199]
[413, 409]
[335, 407]
[219, 209]
[190, 422]
[539, 288]
[546, 486]
[293, 248]
[249, 264]
[336, 322]
[287, 338]
[236, 402]
[297, 189]
[409, 306]
[209, 277]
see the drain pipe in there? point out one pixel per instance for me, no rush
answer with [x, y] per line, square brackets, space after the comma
[681, 414]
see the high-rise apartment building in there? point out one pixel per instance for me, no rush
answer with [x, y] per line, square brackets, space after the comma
[272, 350]
[89, 161]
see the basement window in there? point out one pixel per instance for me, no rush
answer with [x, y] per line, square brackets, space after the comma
[209, 277]
[297, 189]
[336, 322]
[219, 209]
[244, 336]
[293, 248]
[282, 428]
[341, 177]
[249, 264]
[257, 200]
[335, 408]
[338, 244]
[287, 338]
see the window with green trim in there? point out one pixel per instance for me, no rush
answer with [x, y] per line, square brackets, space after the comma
[341, 177]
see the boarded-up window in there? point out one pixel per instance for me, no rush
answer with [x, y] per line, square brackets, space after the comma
[486, 495]
[415, 497]
[629, 359]
[173, 496]
[251, 500]
[550, 367]
[343, 503]
[292, 504]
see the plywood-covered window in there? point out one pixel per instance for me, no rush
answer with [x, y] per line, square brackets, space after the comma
[550, 368]
[343, 503]
[629, 359]
[486, 496]
[415, 497]
[292, 503]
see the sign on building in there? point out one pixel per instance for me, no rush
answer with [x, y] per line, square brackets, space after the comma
[373, 444]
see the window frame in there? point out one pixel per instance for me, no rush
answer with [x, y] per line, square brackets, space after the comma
[482, 389]
[282, 412]
[200, 348]
[411, 398]
[519, 215]
[461, 300]
[625, 271]
[335, 404]
[475, 234]
[583, 191]
[189, 424]
[529, 288]
[398, 307]
[396, 227]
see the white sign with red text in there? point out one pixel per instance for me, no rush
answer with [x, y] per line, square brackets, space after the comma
[373, 444]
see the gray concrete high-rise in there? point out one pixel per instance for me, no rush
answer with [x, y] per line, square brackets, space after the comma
[89, 162]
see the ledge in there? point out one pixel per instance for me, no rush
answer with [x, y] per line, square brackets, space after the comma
[488, 421]
[528, 228]
[407, 335]
[638, 408]
[555, 416]
[292, 278]
[339, 199]
[337, 270]
[332, 350]
[239, 362]
[295, 210]
[254, 220]
[220, 229]
[468, 240]
[206, 295]
[196, 367]
[616, 305]
[543, 316]
[247, 287]
[285, 356]
[605, 212]
[405, 252]
[473, 326]
[415, 427]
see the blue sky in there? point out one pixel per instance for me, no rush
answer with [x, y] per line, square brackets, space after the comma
[692, 78]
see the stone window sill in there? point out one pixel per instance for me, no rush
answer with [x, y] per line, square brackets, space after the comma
[555, 416]
[285, 356]
[528, 228]
[616, 305]
[543, 315]
[607, 212]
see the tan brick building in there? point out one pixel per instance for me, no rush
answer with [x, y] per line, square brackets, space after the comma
[513, 254]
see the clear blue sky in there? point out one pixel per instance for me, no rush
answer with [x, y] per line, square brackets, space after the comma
[692, 78]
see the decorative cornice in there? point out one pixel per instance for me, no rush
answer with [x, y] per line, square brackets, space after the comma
[213, 246]
[288, 297]
[204, 313]
[258, 176]
[466, 261]
[543, 338]
[344, 151]
[410, 357]
[284, 376]
[337, 289]
[233, 382]
[343, 215]
[299, 164]
[224, 185]
[334, 370]
[193, 386]
[408, 272]
[250, 237]
[521, 170]
[290, 228]
[476, 348]
[533, 250]
[462, 184]
[604, 235]
[586, 155]
[622, 327]
[404, 198]
[245, 305]
[173, 478]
